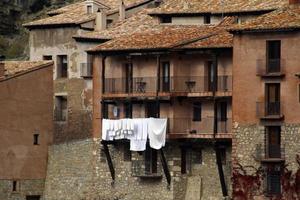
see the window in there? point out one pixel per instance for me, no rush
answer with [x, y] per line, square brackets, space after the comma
[128, 110]
[273, 56]
[105, 110]
[197, 109]
[14, 186]
[273, 180]
[273, 149]
[36, 139]
[61, 108]
[150, 161]
[62, 66]
[33, 197]
[89, 9]
[166, 20]
[165, 76]
[223, 111]
[272, 99]
[47, 57]
[206, 19]
[128, 77]
[189, 157]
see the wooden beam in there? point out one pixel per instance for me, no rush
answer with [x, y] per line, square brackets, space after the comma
[165, 167]
[109, 161]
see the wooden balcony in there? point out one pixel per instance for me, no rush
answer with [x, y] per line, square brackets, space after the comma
[190, 86]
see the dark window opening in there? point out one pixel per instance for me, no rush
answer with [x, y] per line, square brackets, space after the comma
[273, 56]
[152, 109]
[36, 139]
[223, 111]
[128, 110]
[62, 66]
[197, 111]
[166, 19]
[209, 76]
[33, 197]
[47, 57]
[273, 149]
[14, 186]
[127, 152]
[272, 99]
[207, 19]
[165, 76]
[61, 108]
[273, 181]
[105, 110]
[128, 77]
[89, 9]
[150, 161]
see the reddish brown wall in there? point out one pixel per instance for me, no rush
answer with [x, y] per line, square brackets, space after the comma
[249, 88]
[26, 107]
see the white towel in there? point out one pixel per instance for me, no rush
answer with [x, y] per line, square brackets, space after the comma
[157, 133]
[138, 145]
[137, 141]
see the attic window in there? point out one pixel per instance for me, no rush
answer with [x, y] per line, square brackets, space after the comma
[89, 9]
[36, 139]
[206, 19]
[166, 20]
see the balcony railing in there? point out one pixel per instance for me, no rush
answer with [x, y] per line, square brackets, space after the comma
[268, 109]
[270, 67]
[205, 126]
[269, 152]
[180, 84]
[134, 85]
[86, 69]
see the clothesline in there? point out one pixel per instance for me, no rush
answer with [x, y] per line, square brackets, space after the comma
[137, 131]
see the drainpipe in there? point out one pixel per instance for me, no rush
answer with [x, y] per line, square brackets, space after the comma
[217, 150]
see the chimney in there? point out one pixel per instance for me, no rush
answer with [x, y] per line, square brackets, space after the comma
[100, 22]
[292, 2]
[122, 10]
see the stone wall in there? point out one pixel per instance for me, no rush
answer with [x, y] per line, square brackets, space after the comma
[24, 188]
[81, 166]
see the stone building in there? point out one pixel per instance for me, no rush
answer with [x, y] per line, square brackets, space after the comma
[266, 112]
[26, 128]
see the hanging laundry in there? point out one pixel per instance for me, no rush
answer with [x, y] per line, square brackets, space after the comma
[157, 133]
[139, 139]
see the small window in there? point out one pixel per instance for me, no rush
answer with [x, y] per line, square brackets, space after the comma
[223, 111]
[197, 109]
[127, 152]
[206, 19]
[36, 139]
[61, 108]
[47, 57]
[128, 110]
[62, 66]
[273, 56]
[105, 110]
[33, 197]
[14, 186]
[273, 182]
[89, 9]
[166, 20]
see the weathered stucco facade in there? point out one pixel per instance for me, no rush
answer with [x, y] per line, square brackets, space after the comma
[26, 132]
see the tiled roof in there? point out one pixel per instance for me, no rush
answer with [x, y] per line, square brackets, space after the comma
[217, 6]
[76, 13]
[138, 22]
[168, 37]
[13, 68]
[285, 18]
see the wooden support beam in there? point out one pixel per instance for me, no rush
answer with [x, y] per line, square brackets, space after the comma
[109, 161]
[165, 167]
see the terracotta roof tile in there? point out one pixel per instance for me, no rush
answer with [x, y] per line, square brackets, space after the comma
[285, 18]
[138, 22]
[13, 68]
[76, 13]
[164, 37]
[217, 6]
